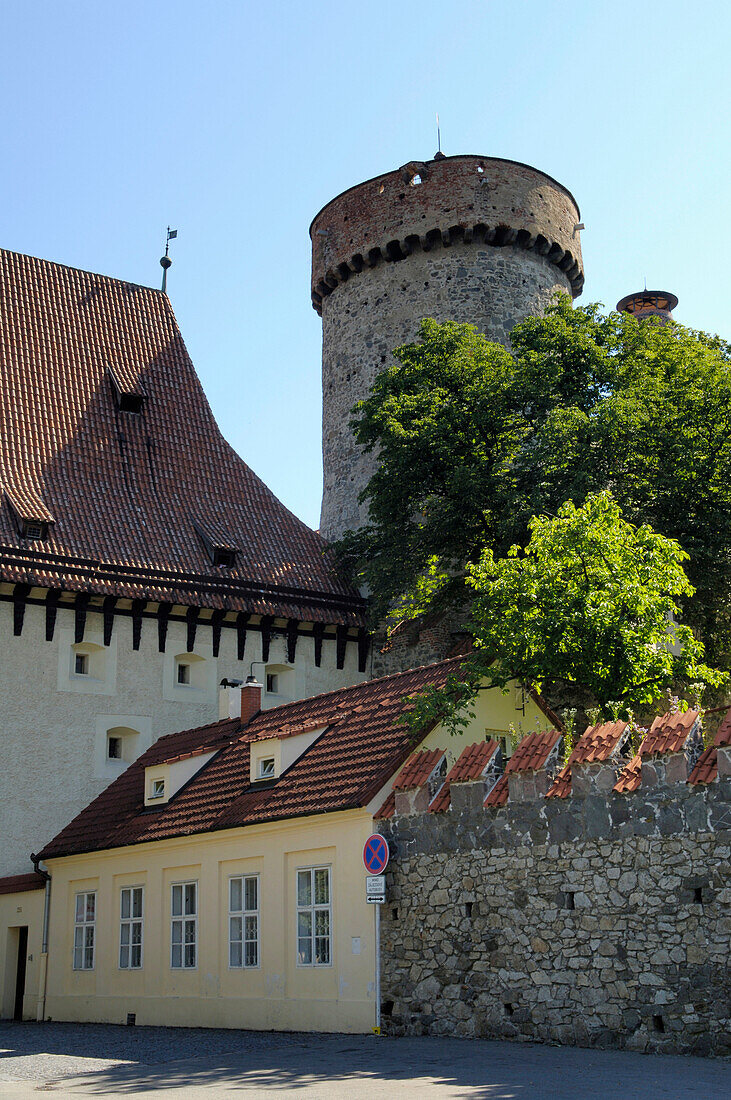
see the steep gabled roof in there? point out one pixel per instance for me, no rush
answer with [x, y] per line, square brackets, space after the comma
[132, 500]
[363, 745]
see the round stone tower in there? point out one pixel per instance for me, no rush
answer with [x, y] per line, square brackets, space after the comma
[462, 238]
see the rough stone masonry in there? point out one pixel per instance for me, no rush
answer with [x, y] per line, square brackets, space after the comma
[599, 921]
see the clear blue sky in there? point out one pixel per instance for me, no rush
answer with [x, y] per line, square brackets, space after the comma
[236, 121]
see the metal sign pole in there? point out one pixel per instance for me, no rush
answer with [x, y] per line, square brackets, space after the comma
[377, 908]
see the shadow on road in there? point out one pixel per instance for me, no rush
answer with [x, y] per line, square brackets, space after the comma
[147, 1059]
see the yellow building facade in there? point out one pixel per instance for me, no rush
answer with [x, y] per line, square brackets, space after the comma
[261, 925]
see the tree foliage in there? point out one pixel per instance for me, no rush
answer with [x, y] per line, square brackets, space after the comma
[587, 608]
[474, 440]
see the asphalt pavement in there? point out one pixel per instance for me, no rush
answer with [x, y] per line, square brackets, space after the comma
[85, 1061]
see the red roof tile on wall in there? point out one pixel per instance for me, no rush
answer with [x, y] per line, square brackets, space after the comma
[441, 800]
[417, 769]
[388, 809]
[706, 769]
[630, 778]
[472, 761]
[596, 744]
[363, 746]
[530, 755]
[123, 491]
[561, 786]
[668, 734]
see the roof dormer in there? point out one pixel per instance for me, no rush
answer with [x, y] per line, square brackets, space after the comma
[220, 547]
[32, 519]
[269, 757]
[129, 394]
[164, 780]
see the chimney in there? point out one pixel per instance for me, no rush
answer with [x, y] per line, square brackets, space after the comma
[250, 699]
[229, 699]
[649, 303]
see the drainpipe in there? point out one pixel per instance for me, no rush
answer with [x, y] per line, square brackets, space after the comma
[43, 979]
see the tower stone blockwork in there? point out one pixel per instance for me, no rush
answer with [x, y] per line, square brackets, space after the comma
[464, 238]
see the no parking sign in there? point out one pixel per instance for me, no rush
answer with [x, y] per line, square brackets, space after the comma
[375, 854]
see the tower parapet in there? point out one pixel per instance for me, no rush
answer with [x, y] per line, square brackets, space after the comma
[465, 238]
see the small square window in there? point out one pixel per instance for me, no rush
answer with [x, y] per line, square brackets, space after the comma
[33, 530]
[183, 673]
[114, 748]
[266, 768]
[225, 558]
[158, 788]
[272, 683]
[81, 664]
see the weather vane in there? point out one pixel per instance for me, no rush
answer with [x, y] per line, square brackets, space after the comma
[166, 262]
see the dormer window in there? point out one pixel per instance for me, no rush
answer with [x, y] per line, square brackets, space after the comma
[218, 543]
[223, 557]
[32, 518]
[128, 393]
[266, 768]
[130, 402]
[34, 530]
[157, 788]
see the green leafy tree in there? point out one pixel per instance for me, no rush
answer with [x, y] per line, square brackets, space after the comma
[589, 608]
[475, 439]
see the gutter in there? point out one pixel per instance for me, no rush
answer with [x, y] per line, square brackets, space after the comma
[43, 978]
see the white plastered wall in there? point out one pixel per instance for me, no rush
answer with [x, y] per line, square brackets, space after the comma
[53, 729]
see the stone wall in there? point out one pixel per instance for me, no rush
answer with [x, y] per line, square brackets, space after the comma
[598, 921]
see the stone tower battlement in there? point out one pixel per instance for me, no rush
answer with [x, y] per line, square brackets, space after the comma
[464, 238]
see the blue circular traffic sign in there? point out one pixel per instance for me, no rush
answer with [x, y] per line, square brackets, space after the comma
[375, 854]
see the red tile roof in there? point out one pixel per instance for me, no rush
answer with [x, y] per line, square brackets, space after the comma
[530, 755]
[630, 778]
[123, 493]
[596, 744]
[441, 800]
[706, 769]
[470, 764]
[417, 769]
[561, 786]
[364, 744]
[388, 809]
[18, 884]
[472, 761]
[668, 733]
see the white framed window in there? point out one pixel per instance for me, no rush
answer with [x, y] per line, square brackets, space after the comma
[114, 747]
[243, 921]
[81, 664]
[184, 926]
[183, 672]
[84, 930]
[314, 917]
[272, 683]
[131, 900]
[157, 788]
[266, 767]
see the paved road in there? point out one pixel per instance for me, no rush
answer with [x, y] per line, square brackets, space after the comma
[86, 1062]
